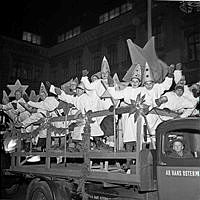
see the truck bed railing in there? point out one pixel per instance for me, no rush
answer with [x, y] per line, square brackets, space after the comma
[82, 166]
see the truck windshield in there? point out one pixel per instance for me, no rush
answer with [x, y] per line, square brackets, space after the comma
[182, 144]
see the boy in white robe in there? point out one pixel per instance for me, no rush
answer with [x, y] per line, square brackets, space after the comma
[152, 92]
[176, 101]
[83, 102]
[48, 104]
[129, 126]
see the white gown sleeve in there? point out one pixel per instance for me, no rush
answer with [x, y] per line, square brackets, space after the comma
[177, 75]
[68, 98]
[165, 85]
[7, 106]
[88, 85]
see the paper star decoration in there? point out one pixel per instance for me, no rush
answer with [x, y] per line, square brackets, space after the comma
[138, 107]
[15, 87]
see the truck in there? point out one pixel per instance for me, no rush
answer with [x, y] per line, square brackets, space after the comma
[88, 174]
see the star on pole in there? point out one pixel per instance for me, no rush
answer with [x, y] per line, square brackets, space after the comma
[138, 107]
[15, 87]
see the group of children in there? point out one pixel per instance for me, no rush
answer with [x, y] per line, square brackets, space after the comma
[101, 92]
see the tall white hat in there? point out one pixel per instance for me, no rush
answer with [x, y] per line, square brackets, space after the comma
[43, 89]
[5, 98]
[105, 66]
[147, 76]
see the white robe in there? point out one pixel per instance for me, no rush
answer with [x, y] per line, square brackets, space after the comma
[177, 104]
[129, 127]
[98, 87]
[84, 103]
[150, 97]
[18, 114]
[48, 105]
[187, 95]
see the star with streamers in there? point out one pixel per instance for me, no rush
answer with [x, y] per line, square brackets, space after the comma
[138, 107]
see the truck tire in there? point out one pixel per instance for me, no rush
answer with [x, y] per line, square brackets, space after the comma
[45, 189]
[39, 190]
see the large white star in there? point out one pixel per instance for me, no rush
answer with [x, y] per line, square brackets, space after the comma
[15, 87]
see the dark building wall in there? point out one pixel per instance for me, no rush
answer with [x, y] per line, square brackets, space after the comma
[172, 29]
[23, 61]
[88, 49]
[170, 26]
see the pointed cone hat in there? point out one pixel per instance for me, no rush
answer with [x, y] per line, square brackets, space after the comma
[33, 97]
[115, 78]
[134, 71]
[65, 86]
[105, 66]
[43, 89]
[5, 98]
[136, 53]
[120, 85]
[147, 76]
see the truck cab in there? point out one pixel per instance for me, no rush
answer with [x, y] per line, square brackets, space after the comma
[178, 174]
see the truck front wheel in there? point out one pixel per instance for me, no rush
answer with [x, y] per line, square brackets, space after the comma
[39, 191]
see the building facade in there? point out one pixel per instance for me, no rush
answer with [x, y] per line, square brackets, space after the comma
[177, 36]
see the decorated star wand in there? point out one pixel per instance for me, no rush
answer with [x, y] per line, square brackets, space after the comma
[139, 108]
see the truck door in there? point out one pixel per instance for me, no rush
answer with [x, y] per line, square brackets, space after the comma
[178, 167]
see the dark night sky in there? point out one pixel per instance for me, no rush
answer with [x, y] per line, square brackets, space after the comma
[44, 16]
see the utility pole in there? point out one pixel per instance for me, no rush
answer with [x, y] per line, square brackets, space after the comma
[149, 24]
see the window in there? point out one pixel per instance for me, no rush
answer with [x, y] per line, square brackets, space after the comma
[103, 18]
[182, 144]
[129, 6]
[112, 14]
[34, 39]
[76, 30]
[115, 12]
[69, 34]
[38, 40]
[126, 7]
[159, 35]
[30, 37]
[194, 47]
